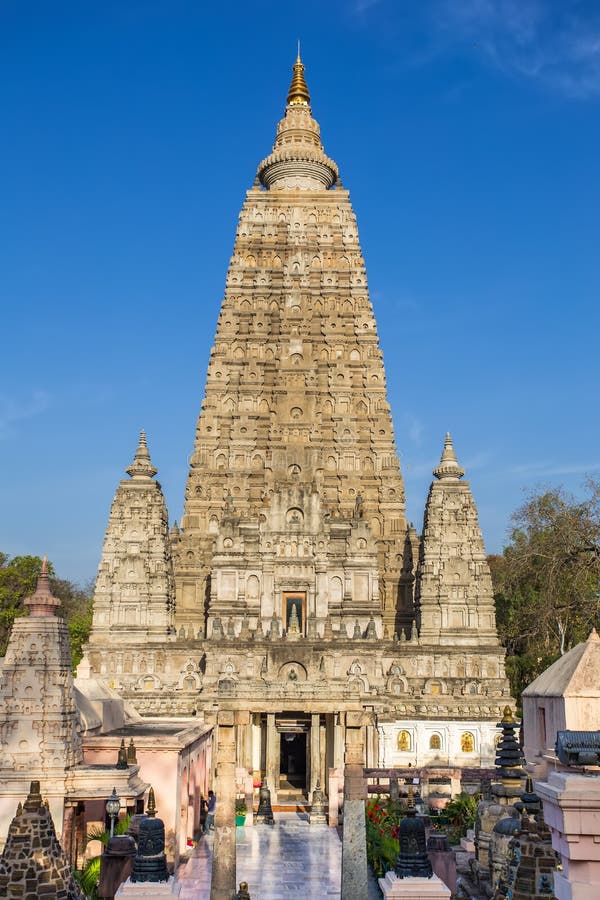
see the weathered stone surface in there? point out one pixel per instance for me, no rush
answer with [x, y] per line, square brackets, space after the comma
[354, 856]
[25, 871]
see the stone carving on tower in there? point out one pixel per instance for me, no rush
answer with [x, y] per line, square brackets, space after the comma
[134, 594]
[294, 481]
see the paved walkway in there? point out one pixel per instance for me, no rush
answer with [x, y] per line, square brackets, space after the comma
[288, 859]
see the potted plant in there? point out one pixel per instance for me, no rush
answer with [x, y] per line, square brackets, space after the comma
[240, 812]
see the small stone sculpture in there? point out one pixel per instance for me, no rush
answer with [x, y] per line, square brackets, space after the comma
[264, 815]
[122, 756]
[317, 812]
[131, 754]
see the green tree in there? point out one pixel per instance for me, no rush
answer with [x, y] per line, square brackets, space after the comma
[460, 814]
[18, 579]
[547, 581]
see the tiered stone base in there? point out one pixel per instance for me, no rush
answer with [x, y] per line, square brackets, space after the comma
[413, 888]
[143, 890]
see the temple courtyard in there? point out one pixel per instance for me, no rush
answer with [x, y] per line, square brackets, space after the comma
[277, 861]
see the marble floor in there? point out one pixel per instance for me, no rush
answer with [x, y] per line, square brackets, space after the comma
[288, 859]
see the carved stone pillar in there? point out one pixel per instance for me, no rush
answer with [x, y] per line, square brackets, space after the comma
[339, 741]
[272, 760]
[354, 841]
[246, 745]
[371, 758]
[323, 760]
[315, 751]
[223, 868]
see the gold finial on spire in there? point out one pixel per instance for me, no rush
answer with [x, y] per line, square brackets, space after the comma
[298, 93]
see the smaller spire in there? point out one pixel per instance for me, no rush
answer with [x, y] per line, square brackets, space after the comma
[448, 469]
[142, 467]
[151, 808]
[594, 637]
[34, 798]
[298, 93]
[42, 602]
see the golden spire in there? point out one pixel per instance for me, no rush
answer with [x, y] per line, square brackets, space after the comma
[298, 92]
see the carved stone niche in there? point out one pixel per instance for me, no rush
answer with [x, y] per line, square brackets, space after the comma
[292, 672]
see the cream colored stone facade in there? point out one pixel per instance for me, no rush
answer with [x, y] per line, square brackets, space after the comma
[302, 596]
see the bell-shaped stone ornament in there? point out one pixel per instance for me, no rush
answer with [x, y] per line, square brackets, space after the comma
[150, 861]
[413, 861]
[264, 814]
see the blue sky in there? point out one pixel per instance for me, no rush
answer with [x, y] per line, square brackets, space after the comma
[468, 135]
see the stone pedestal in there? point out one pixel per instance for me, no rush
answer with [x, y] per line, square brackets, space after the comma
[414, 888]
[443, 860]
[116, 864]
[468, 843]
[572, 812]
[149, 890]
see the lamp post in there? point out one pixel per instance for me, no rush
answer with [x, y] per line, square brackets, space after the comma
[113, 805]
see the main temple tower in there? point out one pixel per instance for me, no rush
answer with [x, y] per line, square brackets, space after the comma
[304, 605]
[294, 485]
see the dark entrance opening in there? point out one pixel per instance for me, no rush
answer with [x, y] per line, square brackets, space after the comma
[292, 774]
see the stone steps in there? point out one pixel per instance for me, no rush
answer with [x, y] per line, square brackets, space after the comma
[292, 808]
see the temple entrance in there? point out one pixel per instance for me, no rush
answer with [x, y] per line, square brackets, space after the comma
[292, 772]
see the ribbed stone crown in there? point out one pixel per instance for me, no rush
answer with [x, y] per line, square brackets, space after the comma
[298, 159]
[42, 602]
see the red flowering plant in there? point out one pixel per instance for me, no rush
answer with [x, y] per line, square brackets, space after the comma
[383, 821]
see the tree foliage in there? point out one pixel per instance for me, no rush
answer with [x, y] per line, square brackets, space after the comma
[547, 581]
[18, 579]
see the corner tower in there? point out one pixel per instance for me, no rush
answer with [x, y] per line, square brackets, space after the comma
[294, 484]
[134, 595]
[454, 598]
